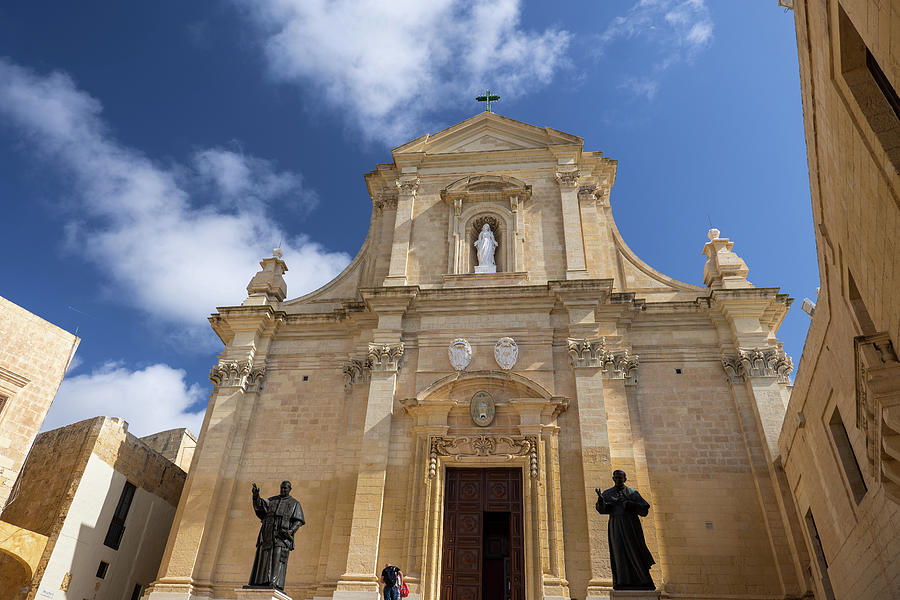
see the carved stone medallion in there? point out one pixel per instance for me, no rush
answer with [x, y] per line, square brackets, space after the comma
[460, 353]
[482, 409]
[506, 353]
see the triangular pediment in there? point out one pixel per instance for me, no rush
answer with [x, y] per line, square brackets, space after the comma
[488, 132]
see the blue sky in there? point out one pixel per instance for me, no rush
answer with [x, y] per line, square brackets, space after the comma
[151, 153]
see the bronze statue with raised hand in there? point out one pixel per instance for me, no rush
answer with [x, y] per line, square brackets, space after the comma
[281, 517]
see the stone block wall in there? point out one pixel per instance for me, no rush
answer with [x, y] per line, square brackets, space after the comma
[34, 355]
[51, 483]
[843, 483]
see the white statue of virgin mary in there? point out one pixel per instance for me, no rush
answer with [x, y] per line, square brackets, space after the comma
[485, 246]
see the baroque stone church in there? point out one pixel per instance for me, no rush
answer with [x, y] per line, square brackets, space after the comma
[452, 412]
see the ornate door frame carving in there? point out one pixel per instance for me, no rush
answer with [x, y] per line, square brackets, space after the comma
[532, 446]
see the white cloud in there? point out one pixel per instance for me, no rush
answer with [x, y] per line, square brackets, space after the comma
[641, 86]
[145, 225]
[675, 31]
[152, 399]
[74, 364]
[237, 178]
[390, 65]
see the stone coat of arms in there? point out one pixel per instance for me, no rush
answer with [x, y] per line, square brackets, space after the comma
[506, 353]
[460, 353]
[482, 408]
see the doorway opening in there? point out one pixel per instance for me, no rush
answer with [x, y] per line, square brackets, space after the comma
[496, 556]
[483, 554]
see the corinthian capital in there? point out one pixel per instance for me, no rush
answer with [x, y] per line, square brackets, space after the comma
[237, 373]
[584, 353]
[758, 362]
[408, 186]
[386, 198]
[356, 371]
[385, 357]
[586, 192]
[568, 179]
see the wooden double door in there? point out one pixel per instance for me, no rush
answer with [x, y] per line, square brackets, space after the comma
[483, 554]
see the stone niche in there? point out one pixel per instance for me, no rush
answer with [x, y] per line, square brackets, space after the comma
[493, 199]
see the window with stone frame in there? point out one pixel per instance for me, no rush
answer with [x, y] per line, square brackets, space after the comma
[117, 525]
[847, 456]
[819, 553]
[875, 96]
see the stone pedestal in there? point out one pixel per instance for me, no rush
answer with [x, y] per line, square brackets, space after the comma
[633, 595]
[486, 269]
[260, 593]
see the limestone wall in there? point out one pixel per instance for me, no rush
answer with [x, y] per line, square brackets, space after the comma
[68, 490]
[176, 445]
[34, 355]
[353, 399]
[685, 446]
[856, 207]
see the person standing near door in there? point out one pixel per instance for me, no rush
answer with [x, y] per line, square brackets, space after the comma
[390, 577]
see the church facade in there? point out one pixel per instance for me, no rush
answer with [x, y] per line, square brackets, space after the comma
[454, 417]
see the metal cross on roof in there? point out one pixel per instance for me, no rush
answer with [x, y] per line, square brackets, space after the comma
[487, 99]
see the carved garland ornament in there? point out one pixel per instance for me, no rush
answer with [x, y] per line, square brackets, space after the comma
[593, 353]
[758, 362]
[237, 373]
[508, 447]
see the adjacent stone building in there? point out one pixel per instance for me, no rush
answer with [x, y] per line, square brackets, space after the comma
[34, 356]
[91, 516]
[177, 445]
[840, 447]
[454, 417]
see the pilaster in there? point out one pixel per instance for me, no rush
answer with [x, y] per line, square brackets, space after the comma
[238, 377]
[384, 357]
[606, 436]
[572, 226]
[407, 185]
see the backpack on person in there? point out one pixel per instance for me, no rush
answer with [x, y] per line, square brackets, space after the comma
[390, 575]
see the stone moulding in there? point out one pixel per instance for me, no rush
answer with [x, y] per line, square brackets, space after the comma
[758, 362]
[14, 378]
[385, 357]
[507, 447]
[592, 353]
[237, 373]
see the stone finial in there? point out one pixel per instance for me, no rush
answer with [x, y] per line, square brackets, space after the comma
[724, 268]
[268, 284]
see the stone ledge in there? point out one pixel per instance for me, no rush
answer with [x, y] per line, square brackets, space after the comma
[634, 595]
[259, 593]
[485, 279]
